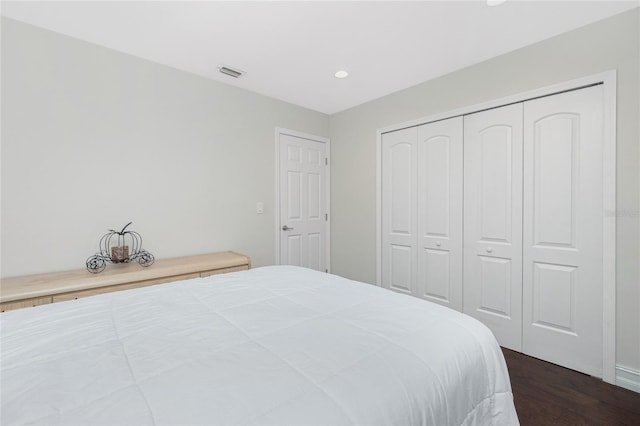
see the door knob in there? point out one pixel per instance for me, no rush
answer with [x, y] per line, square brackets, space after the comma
[286, 228]
[489, 249]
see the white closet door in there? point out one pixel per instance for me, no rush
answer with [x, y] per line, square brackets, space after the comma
[439, 166]
[563, 229]
[399, 195]
[493, 221]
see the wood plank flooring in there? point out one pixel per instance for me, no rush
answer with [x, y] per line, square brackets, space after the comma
[547, 394]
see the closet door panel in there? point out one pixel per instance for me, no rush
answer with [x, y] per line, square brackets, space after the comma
[563, 229]
[399, 194]
[440, 212]
[493, 221]
[495, 285]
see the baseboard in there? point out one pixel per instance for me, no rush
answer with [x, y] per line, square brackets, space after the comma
[628, 378]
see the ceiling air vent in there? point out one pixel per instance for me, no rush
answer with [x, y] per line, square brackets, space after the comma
[231, 71]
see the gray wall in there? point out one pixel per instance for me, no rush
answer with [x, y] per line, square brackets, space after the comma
[610, 44]
[93, 138]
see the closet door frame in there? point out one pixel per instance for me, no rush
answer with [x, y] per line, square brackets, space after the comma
[608, 81]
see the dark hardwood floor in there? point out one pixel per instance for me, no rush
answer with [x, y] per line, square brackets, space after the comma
[547, 394]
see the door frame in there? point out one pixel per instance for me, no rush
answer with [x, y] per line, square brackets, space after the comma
[608, 79]
[327, 181]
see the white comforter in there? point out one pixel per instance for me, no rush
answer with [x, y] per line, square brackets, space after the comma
[274, 345]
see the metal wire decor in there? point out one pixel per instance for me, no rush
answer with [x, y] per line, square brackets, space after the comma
[119, 247]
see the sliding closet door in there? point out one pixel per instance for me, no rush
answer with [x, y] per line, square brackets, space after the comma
[563, 229]
[493, 221]
[439, 165]
[399, 204]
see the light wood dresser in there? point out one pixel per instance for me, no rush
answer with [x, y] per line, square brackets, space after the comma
[33, 290]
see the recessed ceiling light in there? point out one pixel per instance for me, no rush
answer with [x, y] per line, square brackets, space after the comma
[495, 2]
[341, 74]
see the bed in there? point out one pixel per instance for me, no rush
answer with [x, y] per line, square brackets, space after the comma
[277, 345]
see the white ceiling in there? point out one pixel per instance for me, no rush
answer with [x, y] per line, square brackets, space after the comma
[291, 50]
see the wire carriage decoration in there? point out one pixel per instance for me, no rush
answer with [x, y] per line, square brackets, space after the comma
[128, 249]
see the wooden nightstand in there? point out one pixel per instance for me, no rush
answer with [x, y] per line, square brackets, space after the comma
[33, 290]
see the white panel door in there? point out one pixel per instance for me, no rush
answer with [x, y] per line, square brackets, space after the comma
[303, 220]
[439, 274]
[562, 252]
[399, 195]
[493, 221]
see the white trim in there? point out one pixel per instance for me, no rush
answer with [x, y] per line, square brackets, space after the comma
[609, 228]
[628, 378]
[604, 77]
[379, 208]
[328, 205]
[608, 79]
[282, 131]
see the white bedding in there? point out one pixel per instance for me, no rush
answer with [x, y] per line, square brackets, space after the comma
[275, 345]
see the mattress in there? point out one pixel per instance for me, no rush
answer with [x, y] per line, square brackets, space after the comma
[277, 345]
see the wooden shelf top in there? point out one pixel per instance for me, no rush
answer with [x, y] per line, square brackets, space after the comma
[29, 286]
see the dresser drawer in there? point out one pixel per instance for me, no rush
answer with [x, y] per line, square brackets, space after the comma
[101, 290]
[224, 270]
[25, 303]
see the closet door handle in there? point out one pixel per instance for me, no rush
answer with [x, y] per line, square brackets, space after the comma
[286, 228]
